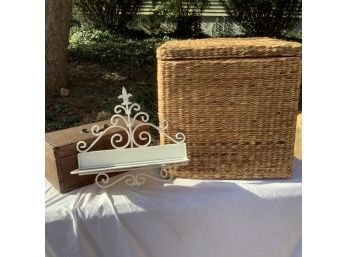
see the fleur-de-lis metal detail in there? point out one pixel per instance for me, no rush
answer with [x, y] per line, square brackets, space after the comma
[125, 97]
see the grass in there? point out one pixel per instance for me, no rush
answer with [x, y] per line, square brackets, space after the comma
[94, 90]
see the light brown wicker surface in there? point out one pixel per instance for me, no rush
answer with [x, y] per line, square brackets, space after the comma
[227, 48]
[239, 114]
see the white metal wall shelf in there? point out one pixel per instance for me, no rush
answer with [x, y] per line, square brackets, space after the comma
[132, 155]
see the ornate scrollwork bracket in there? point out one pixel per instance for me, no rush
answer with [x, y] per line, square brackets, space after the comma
[135, 181]
[131, 155]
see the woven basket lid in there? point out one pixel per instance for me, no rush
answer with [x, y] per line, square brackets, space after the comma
[214, 48]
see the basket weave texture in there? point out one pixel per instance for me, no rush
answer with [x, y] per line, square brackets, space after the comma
[236, 100]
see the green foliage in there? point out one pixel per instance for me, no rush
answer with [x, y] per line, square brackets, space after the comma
[185, 14]
[92, 45]
[293, 35]
[111, 15]
[224, 27]
[272, 18]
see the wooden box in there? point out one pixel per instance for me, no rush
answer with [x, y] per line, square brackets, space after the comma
[236, 99]
[61, 152]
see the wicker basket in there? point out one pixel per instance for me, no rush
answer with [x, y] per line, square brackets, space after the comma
[236, 100]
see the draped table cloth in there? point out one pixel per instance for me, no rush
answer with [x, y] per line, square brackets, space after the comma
[186, 218]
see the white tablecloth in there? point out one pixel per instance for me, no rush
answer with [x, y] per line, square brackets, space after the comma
[188, 218]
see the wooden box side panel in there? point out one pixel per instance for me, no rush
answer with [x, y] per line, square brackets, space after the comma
[51, 172]
[69, 181]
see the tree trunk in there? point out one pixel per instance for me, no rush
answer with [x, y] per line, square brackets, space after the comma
[58, 15]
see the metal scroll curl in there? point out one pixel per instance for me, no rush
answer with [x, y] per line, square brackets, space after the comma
[135, 181]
